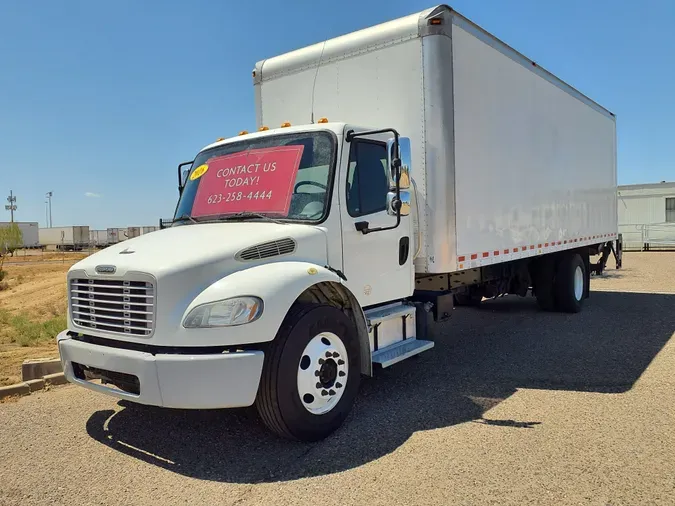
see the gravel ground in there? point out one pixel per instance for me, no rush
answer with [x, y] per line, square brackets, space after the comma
[513, 406]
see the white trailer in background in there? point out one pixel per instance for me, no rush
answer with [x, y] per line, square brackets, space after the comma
[133, 232]
[30, 237]
[113, 235]
[647, 215]
[98, 238]
[116, 235]
[147, 230]
[427, 162]
[65, 238]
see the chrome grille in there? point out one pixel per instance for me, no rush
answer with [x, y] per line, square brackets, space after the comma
[267, 249]
[113, 305]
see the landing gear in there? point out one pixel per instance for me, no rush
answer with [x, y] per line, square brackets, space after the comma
[605, 251]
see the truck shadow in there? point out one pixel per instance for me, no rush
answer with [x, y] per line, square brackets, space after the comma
[482, 356]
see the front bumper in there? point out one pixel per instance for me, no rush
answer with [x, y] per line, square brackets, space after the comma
[194, 381]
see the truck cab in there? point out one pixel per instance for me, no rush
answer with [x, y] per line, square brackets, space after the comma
[280, 281]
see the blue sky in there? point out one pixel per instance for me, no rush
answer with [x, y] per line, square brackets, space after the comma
[99, 101]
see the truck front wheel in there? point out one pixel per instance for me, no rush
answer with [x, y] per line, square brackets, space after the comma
[311, 373]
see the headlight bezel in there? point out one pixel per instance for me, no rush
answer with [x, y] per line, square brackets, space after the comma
[203, 313]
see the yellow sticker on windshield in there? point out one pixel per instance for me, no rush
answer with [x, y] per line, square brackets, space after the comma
[199, 172]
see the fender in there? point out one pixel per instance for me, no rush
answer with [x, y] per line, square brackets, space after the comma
[278, 284]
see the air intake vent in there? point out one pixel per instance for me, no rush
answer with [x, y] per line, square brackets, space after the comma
[267, 250]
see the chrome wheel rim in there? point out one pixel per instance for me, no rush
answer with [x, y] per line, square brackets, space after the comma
[578, 283]
[322, 373]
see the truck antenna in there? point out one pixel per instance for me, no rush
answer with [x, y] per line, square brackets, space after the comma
[316, 74]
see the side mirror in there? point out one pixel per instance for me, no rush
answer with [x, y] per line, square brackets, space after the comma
[405, 157]
[183, 171]
[403, 204]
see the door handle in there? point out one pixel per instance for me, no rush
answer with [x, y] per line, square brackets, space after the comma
[403, 250]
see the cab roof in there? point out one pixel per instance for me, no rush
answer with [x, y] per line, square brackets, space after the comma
[335, 127]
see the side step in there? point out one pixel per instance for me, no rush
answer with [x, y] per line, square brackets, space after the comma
[382, 314]
[400, 351]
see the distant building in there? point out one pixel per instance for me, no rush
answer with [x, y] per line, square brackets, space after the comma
[647, 215]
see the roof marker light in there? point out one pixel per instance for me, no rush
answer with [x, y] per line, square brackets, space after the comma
[263, 128]
[323, 120]
[243, 132]
[285, 124]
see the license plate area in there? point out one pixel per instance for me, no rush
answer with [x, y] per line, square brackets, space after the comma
[128, 383]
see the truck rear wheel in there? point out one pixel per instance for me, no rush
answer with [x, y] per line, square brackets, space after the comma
[311, 373]
[570, 283]
[543, 282]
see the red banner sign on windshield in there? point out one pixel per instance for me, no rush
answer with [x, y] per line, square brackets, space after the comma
[258, 180]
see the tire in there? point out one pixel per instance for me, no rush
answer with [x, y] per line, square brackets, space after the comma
[280, 403]
[570, 283]
[543, 281]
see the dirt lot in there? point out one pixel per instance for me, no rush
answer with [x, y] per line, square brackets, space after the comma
[513, 406]
[32, 310]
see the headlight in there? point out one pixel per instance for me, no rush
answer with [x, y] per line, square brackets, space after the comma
[224, 313]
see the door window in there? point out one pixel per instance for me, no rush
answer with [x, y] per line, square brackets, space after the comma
[367, 182]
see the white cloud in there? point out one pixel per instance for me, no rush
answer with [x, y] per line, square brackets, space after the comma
[92, 195]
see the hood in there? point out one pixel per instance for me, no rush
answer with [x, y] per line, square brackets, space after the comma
[203, 245]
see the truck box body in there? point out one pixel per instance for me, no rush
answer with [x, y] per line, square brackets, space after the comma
[113, 235]
[98, 237]
[29, 232]
[147, 230]
[510, 161]
[70, 237]
[116, 235]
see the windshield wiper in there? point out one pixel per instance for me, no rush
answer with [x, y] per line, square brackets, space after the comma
[185, 217]
[247, 215]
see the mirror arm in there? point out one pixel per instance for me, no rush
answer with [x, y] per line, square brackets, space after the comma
[362, 226]
[180, 175]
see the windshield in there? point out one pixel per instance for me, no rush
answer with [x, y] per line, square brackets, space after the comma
[283, 176]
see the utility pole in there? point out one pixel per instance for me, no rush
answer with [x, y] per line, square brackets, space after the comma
[49, 199]
[46, 214]
[11, 207]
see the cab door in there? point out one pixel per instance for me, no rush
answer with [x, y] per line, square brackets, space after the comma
[378, 265]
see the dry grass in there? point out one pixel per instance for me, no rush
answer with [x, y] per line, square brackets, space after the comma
[45, 256]
[32, 312]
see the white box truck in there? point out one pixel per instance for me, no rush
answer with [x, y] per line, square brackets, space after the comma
[29, 232]
[65, 238]
[395, 170]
